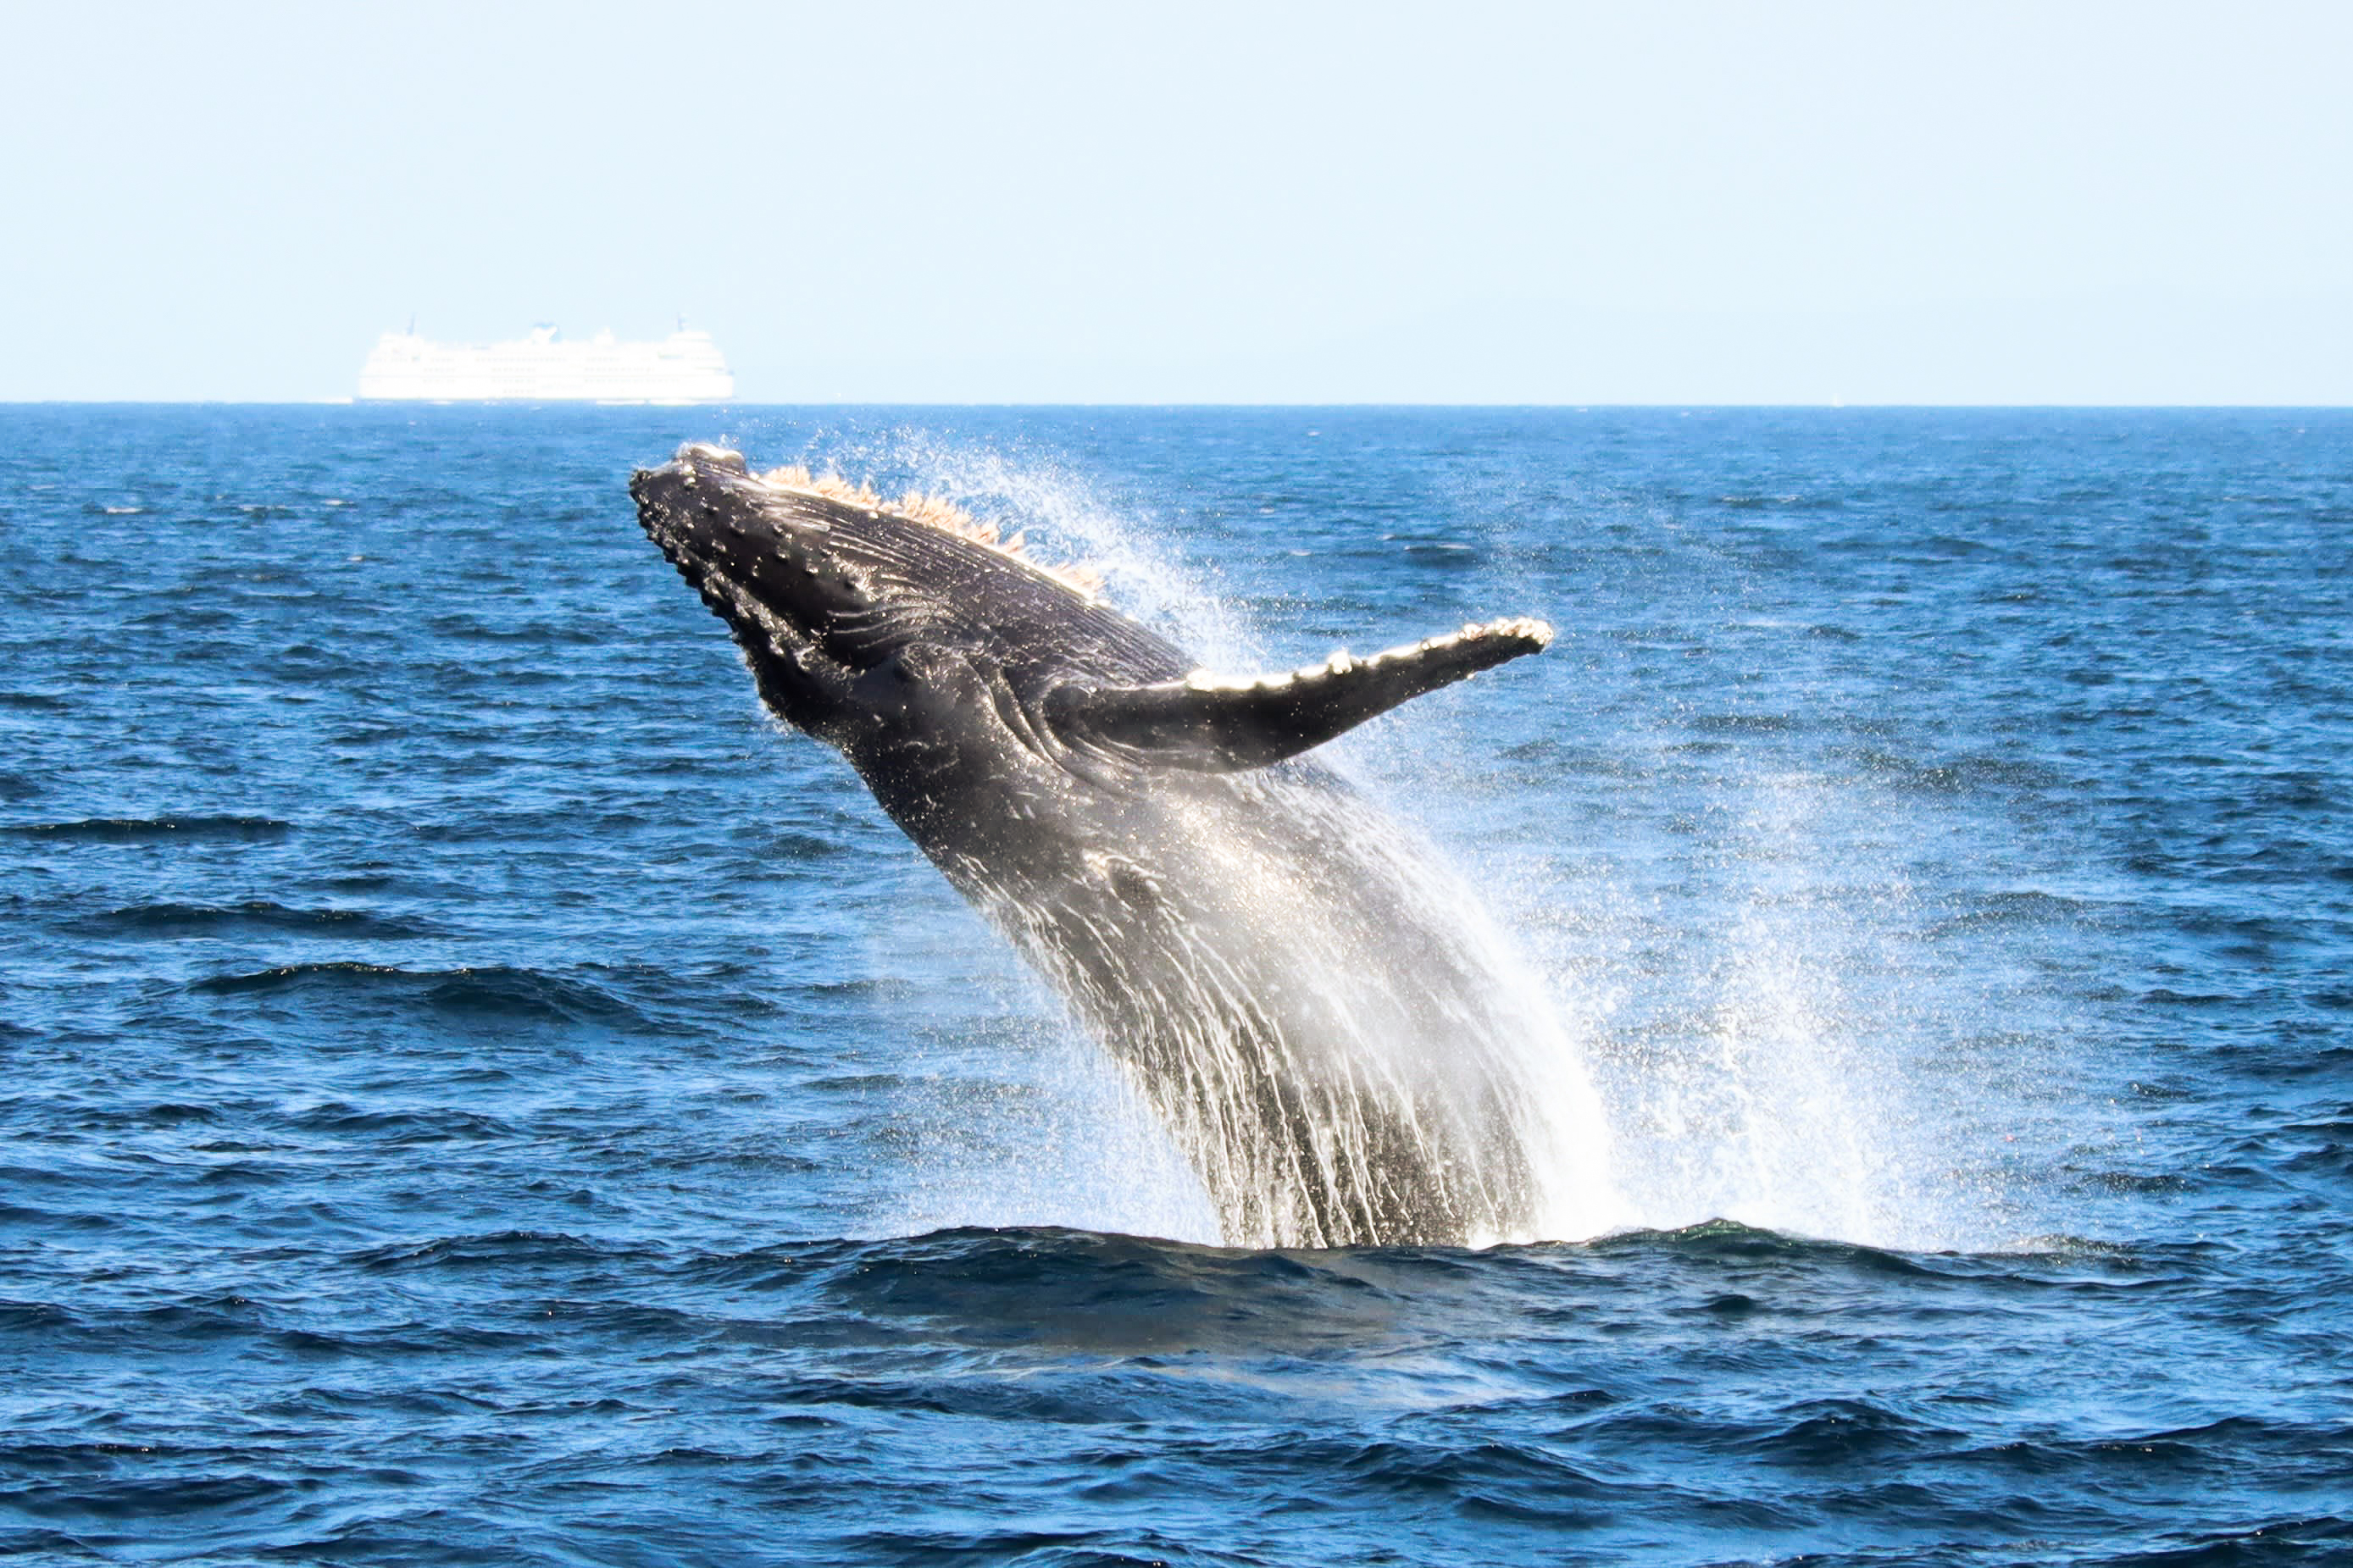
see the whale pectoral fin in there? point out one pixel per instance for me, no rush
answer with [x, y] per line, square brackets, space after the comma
[1225, 723]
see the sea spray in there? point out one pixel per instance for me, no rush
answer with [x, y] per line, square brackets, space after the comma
[1713, 996]
[1474, 1076]
[1781, 1029]
[1755, 1020]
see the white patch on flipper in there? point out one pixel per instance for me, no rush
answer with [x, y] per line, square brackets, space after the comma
[1512, 628]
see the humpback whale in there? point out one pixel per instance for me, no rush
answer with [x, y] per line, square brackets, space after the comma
[1265, 956]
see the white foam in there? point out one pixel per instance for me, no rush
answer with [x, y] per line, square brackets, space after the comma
[1073, 1142]
[1742, 1023]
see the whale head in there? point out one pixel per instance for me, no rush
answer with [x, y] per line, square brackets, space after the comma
[849, 606]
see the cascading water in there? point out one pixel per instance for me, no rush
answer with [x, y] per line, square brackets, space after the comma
[1746, 1026]
[1421, 1075]
[1366, 1011]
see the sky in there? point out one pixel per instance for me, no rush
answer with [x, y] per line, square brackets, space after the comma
[1560, 204]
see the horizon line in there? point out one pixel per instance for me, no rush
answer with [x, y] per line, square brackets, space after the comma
[1838, 406]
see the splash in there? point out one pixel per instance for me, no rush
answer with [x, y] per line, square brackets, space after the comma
[1746, 1024]
[1340, 1044]
[1765, 1038]
[1780, 1029]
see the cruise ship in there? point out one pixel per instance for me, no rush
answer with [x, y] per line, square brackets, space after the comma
[684, 367]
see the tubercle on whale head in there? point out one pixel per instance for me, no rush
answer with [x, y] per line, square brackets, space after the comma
[771, 578]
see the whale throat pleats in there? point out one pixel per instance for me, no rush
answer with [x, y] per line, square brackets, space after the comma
[1213, 723]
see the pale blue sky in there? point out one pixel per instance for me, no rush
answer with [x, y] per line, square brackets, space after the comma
[1703, 203]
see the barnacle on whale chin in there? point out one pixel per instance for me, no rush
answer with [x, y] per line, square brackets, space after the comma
[933, 511]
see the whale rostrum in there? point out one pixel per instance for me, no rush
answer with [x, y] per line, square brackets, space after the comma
[1275, 964]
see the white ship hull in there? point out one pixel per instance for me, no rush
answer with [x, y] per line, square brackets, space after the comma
[685, 367]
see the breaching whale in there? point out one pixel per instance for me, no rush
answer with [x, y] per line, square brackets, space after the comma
[1264, 952]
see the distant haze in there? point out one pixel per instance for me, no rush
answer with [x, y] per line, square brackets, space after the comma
[1755, 204]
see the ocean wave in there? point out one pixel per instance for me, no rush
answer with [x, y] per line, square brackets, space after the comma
[143, 829]
[404, 1127]
[2013, 909]
[175, 920]
[497, 1249]
[1730, 1240]
[1849, 1431]
[496, 991]
[1969, 772]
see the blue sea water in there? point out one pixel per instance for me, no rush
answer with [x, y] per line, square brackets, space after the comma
[478, 1092]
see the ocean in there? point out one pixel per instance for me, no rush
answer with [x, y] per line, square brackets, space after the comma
[477, 1091]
